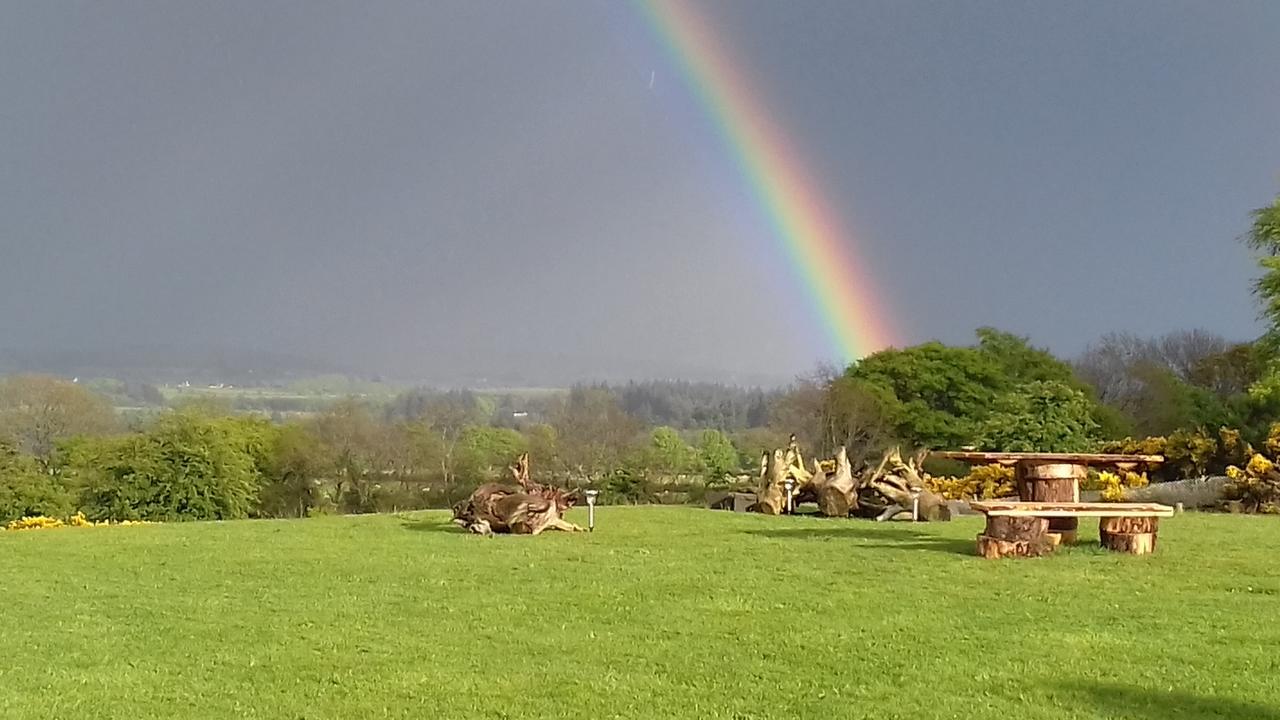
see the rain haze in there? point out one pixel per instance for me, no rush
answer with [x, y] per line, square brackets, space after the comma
[449, 191]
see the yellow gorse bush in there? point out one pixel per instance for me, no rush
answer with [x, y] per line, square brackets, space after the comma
[982, 483]
[1257, 485]
[1113, 484]
[44, 522]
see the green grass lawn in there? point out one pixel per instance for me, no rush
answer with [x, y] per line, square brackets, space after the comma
[662, 612]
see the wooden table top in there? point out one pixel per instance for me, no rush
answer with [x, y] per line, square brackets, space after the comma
[1010, 458]
[1068, 509]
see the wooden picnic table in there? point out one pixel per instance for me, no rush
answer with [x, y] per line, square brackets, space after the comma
[1052, 477]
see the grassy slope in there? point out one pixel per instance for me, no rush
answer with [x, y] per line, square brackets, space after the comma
[663, 612]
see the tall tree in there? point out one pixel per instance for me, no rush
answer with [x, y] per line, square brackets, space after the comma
[36, 411]
[1264, 237]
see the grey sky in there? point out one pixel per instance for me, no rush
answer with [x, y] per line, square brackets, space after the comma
[438, 188]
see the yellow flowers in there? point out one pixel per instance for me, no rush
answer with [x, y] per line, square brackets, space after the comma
[983, 483]
[1113, 484]
[1256, 486]
[1259, 465]
[44, 522]
[34, 522]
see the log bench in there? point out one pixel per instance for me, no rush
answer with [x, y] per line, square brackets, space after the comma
[1022, 529]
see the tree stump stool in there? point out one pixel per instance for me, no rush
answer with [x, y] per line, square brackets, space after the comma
[1052, 482]
[1007, 536]
[1133, 535]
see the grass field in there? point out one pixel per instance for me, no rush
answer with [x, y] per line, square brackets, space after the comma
[662, 612]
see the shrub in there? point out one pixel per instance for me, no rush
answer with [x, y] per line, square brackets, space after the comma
[984, 482]
[1188, 453]
[26, 490]
[44, 522]
[186, 467]
[1113, 484]
[1256, 486]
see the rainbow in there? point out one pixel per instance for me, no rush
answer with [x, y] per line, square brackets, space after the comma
[816, 244]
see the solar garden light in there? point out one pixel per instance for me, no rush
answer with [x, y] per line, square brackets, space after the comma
[591, 509]
[788, 484]
[915, 504]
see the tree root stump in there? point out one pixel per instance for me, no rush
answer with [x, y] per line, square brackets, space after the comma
[1015, 537]
[1132, 535]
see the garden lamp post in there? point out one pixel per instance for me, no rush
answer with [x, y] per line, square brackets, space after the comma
[591, 509]
[788, 484]
[915, 504]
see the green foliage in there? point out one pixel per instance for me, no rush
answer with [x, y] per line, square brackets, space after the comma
[483, 452]
[186, 467]
[595, 433]
[940, 396]
[293, 483]
[668, 453]
[717, 455]
[1264, 237]
[626, 486]
[1167, 403]
[936, 394]
[27, 489]
[542, 440]
[1232, 372]
[1020, 363]
[1043, 415]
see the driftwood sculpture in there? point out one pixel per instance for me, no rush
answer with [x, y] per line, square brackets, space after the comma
[890, 489]
[525, 508]
[895, 487]
[837, 493]
[783, 472]
[772, 496]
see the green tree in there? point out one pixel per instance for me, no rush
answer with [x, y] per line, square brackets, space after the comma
[1264, 237]
[595, 434]
[1042, 415]
[935, 394]
[1019, 362]
[1232, 371]
[668, 453]
[544, 449]
[1166, 403]
[717, 455]
[484, 452]
[36, 411]
[299, 466]
[857, 415]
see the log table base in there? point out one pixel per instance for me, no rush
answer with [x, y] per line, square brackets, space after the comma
[1025, 529]
[1015, 537]
[1133, 535]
